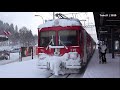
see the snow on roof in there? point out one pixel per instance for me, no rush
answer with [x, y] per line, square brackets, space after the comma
[61, 22]
[2, 48]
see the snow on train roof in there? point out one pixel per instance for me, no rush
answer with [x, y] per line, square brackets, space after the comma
[61, 22]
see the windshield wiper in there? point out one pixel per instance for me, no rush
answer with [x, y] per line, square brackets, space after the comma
[51, 41]
[62, 43]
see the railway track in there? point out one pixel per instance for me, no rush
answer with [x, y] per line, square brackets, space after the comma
[67, 76]
[72, 75]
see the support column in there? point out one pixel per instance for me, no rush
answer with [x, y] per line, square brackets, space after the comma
[112, 43]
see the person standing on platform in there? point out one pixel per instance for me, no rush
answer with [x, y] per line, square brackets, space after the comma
[103, 53]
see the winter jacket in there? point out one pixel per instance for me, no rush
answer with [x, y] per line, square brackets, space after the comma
[103, 48]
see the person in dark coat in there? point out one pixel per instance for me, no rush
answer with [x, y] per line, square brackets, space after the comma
[103, 53]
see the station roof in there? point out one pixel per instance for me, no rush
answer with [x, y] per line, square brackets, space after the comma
[107, 23]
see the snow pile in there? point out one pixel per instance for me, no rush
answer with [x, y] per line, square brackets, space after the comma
[55, 64]
[73, 55]
[2, 48]
[61, 22]
[72, 60]
[73, 63]
[65, 57]
[43, 60]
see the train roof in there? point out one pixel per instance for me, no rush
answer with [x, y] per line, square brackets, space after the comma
[61, 22]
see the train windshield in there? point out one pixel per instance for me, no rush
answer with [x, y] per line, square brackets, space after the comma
[47, 38]
[68, 37]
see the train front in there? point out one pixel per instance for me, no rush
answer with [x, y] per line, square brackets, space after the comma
[59, 40]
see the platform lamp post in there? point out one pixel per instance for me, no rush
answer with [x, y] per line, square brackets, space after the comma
[41, 17]
[112, 42]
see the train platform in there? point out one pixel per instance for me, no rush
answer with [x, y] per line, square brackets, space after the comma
[109, 70]
[14, 57]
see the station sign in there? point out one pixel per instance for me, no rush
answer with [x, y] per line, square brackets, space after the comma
[108, 15]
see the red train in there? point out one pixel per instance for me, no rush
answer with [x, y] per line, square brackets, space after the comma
[65, 38]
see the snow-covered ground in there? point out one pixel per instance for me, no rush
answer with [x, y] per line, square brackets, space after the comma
[5, 48]
[109, 70]
[8, 48]
[13, 57]
[24, 69]
[27, 68]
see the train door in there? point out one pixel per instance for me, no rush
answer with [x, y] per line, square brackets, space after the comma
[85, 47]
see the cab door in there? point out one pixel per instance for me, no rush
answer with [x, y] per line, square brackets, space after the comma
[85, 47]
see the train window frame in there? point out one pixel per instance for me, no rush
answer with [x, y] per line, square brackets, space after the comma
[47, 36]
[81, 38]
[76, 35]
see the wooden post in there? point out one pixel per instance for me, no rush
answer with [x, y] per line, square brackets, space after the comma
[9, 55]
[20, 54]
[32, 52]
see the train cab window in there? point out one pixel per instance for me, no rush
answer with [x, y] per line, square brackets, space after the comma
[47, 38]
[68, 37]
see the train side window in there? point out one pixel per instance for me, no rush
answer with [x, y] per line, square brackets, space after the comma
[81, 39]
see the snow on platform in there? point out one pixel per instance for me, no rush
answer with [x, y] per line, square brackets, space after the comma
[24, 69]
[27, 68]
[14, 57]
[109, 70]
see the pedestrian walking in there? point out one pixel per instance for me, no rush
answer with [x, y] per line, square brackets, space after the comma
[103, 53]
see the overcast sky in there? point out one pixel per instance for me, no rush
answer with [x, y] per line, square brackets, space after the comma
[29, 20]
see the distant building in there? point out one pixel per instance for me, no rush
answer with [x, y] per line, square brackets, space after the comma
[3, 38]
